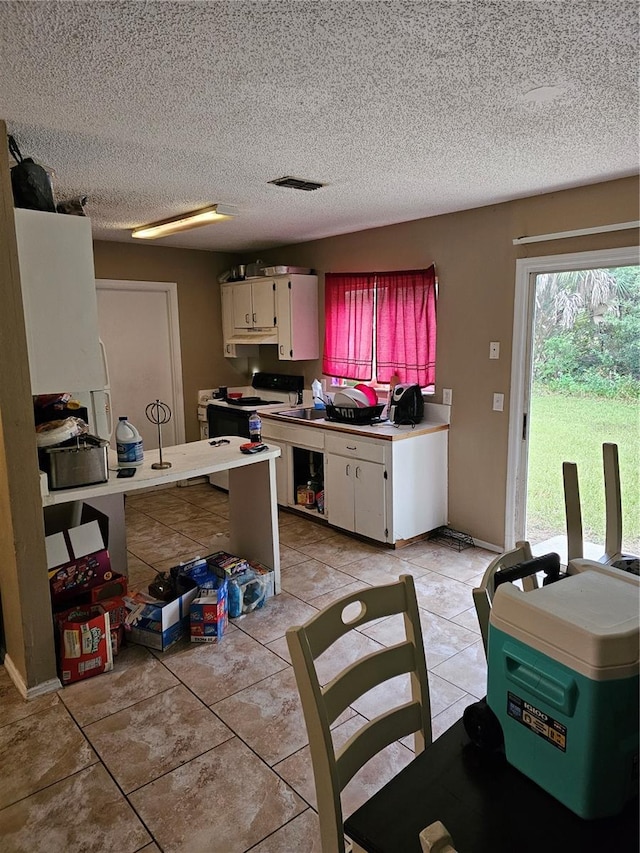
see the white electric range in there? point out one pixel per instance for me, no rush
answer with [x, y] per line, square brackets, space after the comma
[230, 416]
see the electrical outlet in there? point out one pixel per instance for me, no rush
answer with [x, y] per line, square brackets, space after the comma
[446, 396]
[498, 402]
[494, 349]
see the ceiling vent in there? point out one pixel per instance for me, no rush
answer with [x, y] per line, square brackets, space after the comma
[296, 183]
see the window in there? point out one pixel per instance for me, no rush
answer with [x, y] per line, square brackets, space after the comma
[380, 325]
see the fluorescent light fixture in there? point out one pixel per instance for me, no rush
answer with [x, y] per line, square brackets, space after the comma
[185, 221]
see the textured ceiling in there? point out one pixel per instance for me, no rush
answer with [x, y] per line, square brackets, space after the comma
[403, 109]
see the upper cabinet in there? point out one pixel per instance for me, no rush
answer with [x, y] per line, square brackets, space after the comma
[254, 305]
[297, 313]
[55, 254]
[281, 310]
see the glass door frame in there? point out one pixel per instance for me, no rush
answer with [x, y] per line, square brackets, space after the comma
[527, 269]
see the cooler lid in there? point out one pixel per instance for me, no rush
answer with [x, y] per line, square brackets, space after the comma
[589, 621]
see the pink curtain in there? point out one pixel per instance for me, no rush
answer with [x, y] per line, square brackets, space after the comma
[406, 326]
[348, 336]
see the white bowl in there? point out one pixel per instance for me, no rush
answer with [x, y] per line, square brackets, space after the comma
[350, 397]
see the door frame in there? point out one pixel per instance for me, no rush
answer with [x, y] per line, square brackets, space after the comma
[170, 289]
[523, 315]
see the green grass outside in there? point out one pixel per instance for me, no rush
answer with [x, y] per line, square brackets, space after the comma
[573, 429]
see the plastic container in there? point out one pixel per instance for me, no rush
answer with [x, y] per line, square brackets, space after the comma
[255, 427]
[563, 682]
[128, 444]
[316, 391]
[354, 415]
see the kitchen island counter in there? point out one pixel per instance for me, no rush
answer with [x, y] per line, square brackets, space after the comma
[253, 516]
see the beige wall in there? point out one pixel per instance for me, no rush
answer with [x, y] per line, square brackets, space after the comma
[476, 264]
[196, 274]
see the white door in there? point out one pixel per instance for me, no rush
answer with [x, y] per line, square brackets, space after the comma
[138, 324]
[527, 271]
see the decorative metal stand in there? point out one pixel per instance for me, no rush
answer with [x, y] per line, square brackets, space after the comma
[159, 413]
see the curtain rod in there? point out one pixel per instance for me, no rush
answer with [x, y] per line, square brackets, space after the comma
[580, 232]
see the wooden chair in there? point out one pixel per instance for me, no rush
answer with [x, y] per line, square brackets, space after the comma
[483, 594]
[613, 510]
[435, 838]
[333, 769]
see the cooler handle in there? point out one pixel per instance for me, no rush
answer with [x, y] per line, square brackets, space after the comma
[559, 690]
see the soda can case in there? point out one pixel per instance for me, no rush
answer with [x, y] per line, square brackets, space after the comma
[563, 682]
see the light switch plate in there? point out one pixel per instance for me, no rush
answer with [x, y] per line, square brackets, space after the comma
[446, 396]
[494, 349]
[498, 402]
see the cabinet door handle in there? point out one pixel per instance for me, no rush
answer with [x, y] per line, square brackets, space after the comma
[281, 349]
[254, 318]
[347, 469]
[246, 319]
[358, 472]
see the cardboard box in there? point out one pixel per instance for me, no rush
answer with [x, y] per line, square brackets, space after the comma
[116, 587]
[117, 610]
[158, 624]
[225, 564]
[77, 561]
[85, 647]
[209, 615]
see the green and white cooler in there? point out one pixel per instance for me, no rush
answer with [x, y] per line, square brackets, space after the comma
[563, 682]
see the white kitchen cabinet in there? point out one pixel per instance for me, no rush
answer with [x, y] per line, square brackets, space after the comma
[281, 310]
[253, 304]
[226, 294]
[417, 485]
[356, 485]
[232, 349]
[355, 496]
[55, 254]
[297, 316]
[390, 489]
[288, 438]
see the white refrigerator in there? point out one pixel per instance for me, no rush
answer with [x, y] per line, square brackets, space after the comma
[55, 254]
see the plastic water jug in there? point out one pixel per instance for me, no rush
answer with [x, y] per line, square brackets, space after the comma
[128, 444]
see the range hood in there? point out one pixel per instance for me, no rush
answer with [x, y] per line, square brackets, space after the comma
[254, 336]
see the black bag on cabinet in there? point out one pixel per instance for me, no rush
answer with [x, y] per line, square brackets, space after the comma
[30, 183]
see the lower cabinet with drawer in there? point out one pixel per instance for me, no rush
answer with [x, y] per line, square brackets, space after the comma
[355, 485]
[390, 491]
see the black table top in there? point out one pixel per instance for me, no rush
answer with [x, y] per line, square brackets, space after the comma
[487, 806]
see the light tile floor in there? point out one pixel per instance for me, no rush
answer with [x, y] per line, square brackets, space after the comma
[204, 748]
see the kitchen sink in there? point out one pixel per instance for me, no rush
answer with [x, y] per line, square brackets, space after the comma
[303, 414]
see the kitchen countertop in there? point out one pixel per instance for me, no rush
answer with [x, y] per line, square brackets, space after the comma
[187, 460]
[385, 431]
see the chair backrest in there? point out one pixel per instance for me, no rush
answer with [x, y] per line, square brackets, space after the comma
[613, 503]
[333, 769]
[435, 838]
[572, 510]
[483, 594]
[613, 507]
